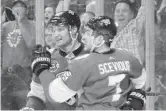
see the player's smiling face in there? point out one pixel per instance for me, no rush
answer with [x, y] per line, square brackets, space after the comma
[87, 39]
[61, 35]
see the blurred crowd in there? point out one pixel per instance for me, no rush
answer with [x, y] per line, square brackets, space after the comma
[18, 39]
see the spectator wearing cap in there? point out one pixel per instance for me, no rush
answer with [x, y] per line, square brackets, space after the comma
[18, 38]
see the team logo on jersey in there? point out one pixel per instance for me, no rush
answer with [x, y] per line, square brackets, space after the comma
[64, 75]
[54, 66]
[14, 38]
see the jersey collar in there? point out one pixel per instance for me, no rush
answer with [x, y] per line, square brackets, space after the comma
[106, 52]
[75, 52]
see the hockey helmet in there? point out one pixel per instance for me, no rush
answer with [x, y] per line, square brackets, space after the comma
[68, 18]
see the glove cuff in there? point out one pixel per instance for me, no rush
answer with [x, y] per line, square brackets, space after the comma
[40, 59]
[138, 94]
[40, 64]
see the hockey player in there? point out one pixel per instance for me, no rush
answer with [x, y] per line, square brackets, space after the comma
[65, 27]
[105, 75]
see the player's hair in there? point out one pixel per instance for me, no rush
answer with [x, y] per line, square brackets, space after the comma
[103, 25]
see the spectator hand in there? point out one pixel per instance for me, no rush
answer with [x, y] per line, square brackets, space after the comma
[41, 59]
[135, 100]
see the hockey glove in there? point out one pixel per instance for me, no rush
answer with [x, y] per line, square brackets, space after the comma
[41, 59]
[135, 100]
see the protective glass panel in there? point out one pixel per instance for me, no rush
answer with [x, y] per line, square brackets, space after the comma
[18, 35]
[160, 53]
[18, 38]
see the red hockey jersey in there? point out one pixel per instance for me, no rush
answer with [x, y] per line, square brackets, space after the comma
[103, 77]
[59, 61]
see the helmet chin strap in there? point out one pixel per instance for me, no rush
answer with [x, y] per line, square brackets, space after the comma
[73, 42]
[96, 46]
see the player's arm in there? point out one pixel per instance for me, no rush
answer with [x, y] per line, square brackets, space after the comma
[41, 63]
[40, 66]
[136, 97]
[138, 74]
[35, 98]
[53, 87]
[69, 83]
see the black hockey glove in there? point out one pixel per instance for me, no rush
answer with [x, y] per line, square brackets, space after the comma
[41, 59]
[135, 100]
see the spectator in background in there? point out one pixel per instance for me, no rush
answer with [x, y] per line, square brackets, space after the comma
[91, 6]
[48, 13]
[129, 28]
[49, 39]
[85, 17]
[18, 38]
[31, 13]
[131, 35]
[60, 6]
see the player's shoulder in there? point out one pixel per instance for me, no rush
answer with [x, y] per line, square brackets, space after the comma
[126, 53]
[82, 57]
[83, 62]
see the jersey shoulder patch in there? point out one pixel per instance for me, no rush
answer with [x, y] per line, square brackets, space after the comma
[82, 57]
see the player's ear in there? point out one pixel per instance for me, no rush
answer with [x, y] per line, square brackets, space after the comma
[99, 40]
[73, 32]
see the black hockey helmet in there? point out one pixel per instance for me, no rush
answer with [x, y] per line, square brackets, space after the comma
[68, 18]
